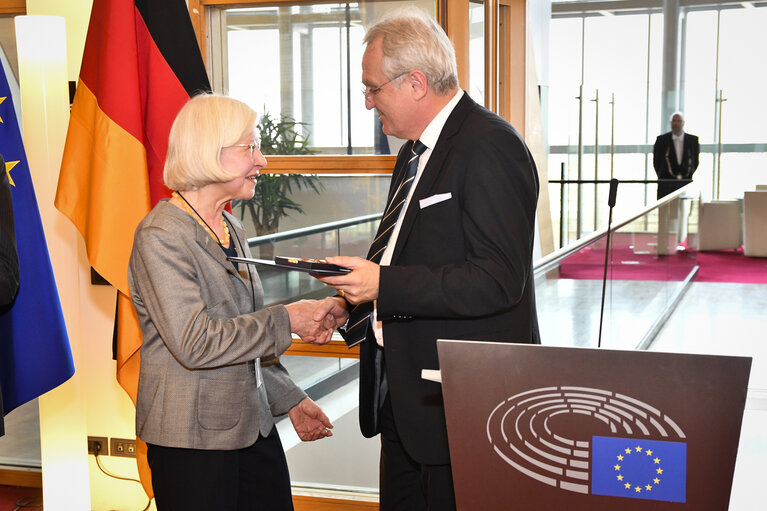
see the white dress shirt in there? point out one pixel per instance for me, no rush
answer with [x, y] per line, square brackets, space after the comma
[428, 138]
[678, 147]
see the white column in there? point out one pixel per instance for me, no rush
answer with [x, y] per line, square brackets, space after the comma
[671, 61]
[41, 42]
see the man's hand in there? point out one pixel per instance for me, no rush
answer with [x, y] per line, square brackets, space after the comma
[361, 285]
[303, 324]
[333, 310]
[309, 421]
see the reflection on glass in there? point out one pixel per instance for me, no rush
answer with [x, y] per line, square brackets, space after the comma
[477, 51]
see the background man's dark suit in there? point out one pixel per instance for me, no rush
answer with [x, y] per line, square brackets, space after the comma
[665, 154]
[461, 269]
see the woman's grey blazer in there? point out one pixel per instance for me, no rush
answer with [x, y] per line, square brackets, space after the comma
[204, 328]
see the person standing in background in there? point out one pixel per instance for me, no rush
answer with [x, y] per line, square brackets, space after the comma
[675, 157]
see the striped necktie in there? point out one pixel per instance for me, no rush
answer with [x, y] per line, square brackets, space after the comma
[356, 329]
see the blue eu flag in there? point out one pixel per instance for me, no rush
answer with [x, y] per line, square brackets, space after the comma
[35, 355]
[639, 469]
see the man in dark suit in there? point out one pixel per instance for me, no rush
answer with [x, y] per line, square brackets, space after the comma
[9, 262]
[455, 261]
[675, 157]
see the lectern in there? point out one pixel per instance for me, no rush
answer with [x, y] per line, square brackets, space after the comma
[538, 427]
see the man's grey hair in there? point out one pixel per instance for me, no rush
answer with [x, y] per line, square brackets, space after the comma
[412, 40]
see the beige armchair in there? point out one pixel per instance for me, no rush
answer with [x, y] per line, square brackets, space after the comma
[755, 223]
[720, 225]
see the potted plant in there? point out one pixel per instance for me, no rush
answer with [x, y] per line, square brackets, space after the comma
[271, 200]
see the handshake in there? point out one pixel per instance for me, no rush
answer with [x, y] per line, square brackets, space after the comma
[315, 320]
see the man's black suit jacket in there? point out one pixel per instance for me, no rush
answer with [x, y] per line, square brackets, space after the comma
[664, 154]
[461, 269]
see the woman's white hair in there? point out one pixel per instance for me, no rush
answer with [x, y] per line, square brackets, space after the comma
[203, 126]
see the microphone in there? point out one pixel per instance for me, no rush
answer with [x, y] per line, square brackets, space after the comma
[613, 192]
[611, 204]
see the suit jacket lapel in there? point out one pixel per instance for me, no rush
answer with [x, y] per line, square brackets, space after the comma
[434, 168]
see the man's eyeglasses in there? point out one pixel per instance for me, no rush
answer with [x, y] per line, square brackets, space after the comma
[370, 92]
[251, 147]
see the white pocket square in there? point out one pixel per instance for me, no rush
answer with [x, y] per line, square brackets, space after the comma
[434, 199]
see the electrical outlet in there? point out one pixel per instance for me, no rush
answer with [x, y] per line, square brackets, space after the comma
[125, 447]
[98, 445]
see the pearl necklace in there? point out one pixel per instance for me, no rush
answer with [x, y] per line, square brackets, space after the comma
[193, 212]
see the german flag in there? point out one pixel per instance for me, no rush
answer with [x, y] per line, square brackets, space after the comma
[140, 65]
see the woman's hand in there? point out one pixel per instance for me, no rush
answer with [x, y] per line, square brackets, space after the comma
[309, 421]
[314, 321]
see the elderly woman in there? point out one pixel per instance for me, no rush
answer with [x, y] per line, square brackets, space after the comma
[211, 383]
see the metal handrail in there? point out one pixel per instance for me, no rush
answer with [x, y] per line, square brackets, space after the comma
[607, 181]
[312, 229]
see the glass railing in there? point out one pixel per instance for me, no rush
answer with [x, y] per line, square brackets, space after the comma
[652, 259]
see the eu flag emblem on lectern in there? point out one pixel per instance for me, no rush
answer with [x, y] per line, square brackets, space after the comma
[639, 469]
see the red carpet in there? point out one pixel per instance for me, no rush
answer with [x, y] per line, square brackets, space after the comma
[731, 266]
[627, 264]
[19, 498]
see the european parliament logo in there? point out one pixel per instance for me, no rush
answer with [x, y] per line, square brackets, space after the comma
[632, 464]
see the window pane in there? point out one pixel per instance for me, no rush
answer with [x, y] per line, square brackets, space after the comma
[304, 62]
[700, 76]
[742, 73]
[565, 76]
[617, 66]
[477, 51]
[617, 71]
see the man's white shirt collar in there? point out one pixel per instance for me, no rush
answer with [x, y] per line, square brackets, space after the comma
[431, 133]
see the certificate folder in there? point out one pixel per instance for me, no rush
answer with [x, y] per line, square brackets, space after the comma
[313, 266]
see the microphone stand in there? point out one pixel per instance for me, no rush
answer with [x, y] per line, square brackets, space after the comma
[611, 204]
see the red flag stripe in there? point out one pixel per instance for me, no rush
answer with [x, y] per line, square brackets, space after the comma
[110, 65]
[162, 96]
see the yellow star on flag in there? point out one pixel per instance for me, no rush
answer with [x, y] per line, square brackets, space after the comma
[8, 166]
[1, 100]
